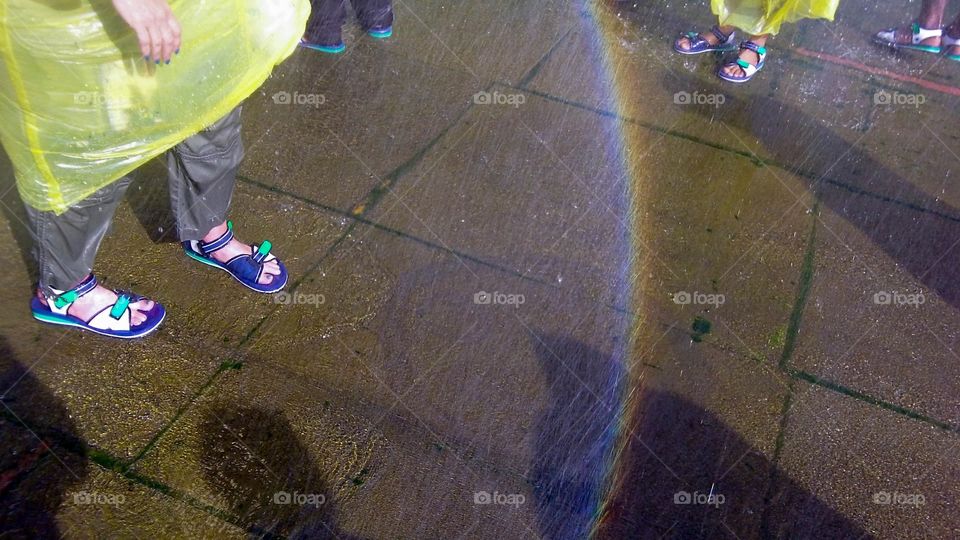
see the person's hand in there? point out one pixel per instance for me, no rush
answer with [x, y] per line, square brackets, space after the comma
[155, 25]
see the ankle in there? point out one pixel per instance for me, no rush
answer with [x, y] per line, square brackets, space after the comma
[215, 232]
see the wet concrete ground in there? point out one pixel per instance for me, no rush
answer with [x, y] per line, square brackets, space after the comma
[382, 398]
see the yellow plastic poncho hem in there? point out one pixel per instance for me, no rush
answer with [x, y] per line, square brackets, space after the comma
[80, 108]
[759, 17]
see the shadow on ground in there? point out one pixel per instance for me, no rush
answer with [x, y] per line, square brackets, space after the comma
[42, 461]
[915, 229]
[257, 462]
[575, 435]
[678, 453]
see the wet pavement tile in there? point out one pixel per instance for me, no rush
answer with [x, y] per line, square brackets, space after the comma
[862, 471]
[727, 270]
[880, 305]
[516, 189]
[501, 42]
[61, 496]
[724, 411]
[331, 130]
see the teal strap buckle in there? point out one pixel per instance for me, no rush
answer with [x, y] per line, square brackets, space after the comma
[229, 225]
[120, 307]
[264, 249]
[761, 50]
[65, 299]
[743, 63]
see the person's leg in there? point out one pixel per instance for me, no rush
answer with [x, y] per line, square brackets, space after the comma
[202, 174]
[930, 18]
[952, 33]
[684, 42]
[326, 22]
[66, 245]
[374, 14]
[735, 70]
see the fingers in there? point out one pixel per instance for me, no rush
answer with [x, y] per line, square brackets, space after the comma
[173, 30]
[158, 33]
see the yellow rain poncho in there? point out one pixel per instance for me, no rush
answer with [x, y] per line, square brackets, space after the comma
[80, 107]
[757, 17]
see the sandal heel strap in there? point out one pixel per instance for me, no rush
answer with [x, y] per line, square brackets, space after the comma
[920, 33]
[63, 299]
[948, 41]
[724, 38]
[209, 247]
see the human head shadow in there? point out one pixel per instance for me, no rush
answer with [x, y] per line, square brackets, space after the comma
[251, 455]
[575, 435]
[43, 459]
[677, 454]
[914, 228]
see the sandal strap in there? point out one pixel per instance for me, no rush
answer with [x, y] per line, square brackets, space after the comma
[695, 39]
[209, 247]
[262, 251]
[62, 299]
[720, 35]
[920, 33]
[948, 41]
[751, 46]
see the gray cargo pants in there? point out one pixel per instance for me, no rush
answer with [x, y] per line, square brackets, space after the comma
[201, 172]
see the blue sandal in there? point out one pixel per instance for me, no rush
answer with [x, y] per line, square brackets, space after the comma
[111, 321]
[749, 70]
[246, 269]
[699, 45]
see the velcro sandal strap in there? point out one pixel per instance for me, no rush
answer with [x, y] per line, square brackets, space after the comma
[751, 46]
[720, 35]
[262, 251]
[65, 298]
[209, 247]
[120, 307]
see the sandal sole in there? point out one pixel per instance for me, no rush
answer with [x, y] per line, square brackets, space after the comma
[61, 321]
[907, 46]
[694, 53]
